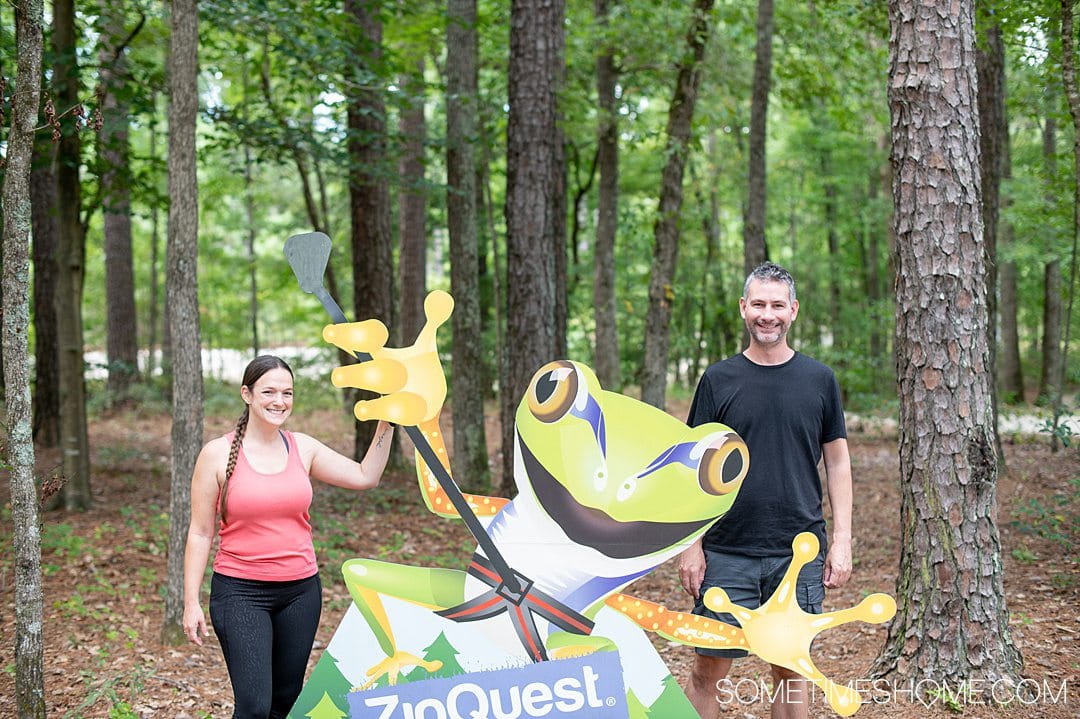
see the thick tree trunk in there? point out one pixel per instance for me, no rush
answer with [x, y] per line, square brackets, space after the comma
[755, 248]
[469, 387]
[606, 347]
[26, 537]
[533, 179]
[121, 336]
[183, 297]
[412, 210]
[46, 396]
[369, 196]
[71, 251]
[666, 230]
[952, 620]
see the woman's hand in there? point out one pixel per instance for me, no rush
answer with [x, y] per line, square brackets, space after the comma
[195, 624]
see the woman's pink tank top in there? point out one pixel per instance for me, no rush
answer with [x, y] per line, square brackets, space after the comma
[268, 535]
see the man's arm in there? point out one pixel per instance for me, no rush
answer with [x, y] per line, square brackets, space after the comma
[838, 483]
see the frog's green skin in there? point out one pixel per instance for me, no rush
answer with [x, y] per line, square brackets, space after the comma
[608, 489]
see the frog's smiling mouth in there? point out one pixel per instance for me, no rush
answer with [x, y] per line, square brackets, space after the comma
[597, 529]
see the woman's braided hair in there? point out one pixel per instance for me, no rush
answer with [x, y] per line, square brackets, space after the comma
[255, 369]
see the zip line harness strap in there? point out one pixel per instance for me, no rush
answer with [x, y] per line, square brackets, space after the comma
[520, 605]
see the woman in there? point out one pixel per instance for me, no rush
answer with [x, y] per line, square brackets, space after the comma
[265, 594]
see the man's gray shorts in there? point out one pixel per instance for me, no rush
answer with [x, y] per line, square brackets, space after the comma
[750, 581]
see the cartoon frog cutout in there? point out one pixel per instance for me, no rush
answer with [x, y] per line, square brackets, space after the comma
[608, 487]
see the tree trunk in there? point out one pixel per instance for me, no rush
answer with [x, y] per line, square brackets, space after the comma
[152, 320]
[1072, 93]
[121, 336]
[183, 297]
[71, 249]
[994, 136]
[468, 389]
[1052, 309]
[26, 535]
[832, 239]
[952, 620]
[46, 397]
[1010, 369]
[369, 197]
[533, 179]
[412, 209]
[666, 230]
[606, 347]
[755, 247]
[253, 275]
[558, 239]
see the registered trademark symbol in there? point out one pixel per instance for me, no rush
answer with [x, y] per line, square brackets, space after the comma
[610, 701]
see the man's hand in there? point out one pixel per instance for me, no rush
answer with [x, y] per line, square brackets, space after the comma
[838, 563]
[692, 569]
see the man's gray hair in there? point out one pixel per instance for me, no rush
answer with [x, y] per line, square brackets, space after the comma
[771, 272]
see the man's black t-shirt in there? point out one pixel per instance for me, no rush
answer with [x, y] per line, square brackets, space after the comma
[784, 413]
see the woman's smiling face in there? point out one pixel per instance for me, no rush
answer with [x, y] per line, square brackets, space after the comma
[271, 398]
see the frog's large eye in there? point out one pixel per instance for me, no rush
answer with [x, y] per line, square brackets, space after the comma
[723, 465]
[553, 391]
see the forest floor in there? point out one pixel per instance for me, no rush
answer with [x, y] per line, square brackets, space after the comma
[104, 576]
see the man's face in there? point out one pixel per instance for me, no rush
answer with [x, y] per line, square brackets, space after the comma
[768, 312]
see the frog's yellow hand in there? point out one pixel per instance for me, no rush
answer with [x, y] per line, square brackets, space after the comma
[780, 632]
[392, 667]
[410, 378]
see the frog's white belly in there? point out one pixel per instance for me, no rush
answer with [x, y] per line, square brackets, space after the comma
[534, 545]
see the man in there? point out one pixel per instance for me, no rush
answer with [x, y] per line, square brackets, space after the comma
[787, 408]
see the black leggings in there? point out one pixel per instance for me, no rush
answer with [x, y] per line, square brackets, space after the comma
[266, 630]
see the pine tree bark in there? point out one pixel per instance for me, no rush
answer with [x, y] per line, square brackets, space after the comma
[468, 385]
[121, 332]
[71, 251]
[755, 247]
[606, 345]
[26, 537]
[533, 179]
[952, 620]
[412, 209]
[369, 196]
[182, 255]
[666, 229]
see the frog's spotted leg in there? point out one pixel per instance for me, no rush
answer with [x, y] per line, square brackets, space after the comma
[780, 632]
[682, 627]
[434, 496]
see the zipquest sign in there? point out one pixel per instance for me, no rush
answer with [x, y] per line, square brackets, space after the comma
[590, 686]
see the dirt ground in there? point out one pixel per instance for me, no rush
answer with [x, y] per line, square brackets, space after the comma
[105, 569]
